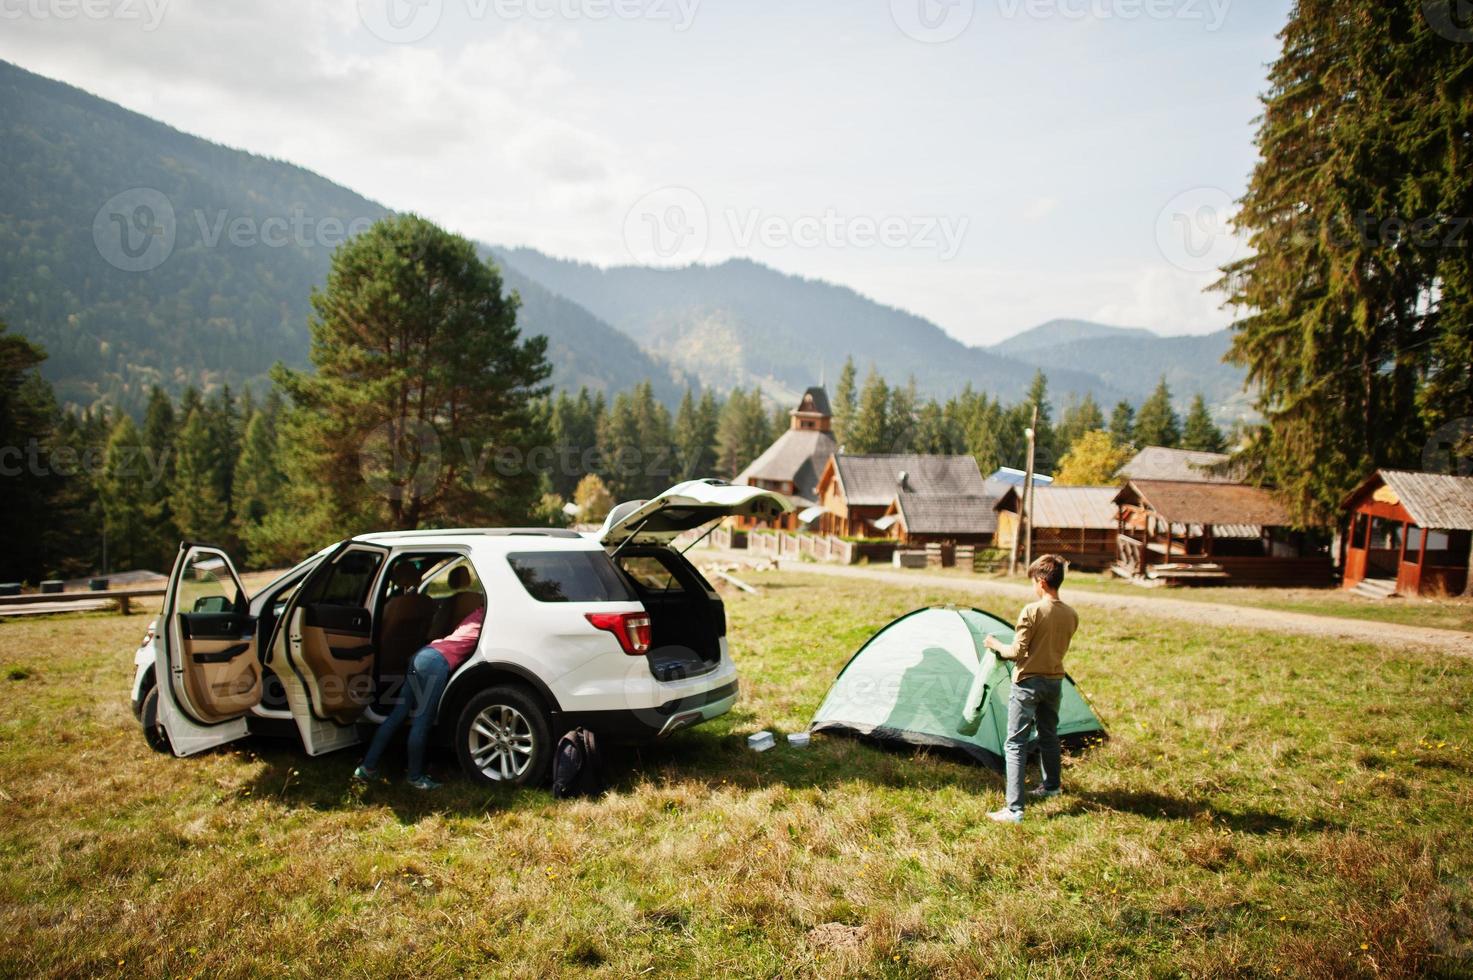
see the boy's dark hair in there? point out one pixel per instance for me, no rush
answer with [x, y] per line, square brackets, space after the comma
[1048, 569]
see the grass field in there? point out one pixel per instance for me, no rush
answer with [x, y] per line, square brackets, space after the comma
[1267, 805]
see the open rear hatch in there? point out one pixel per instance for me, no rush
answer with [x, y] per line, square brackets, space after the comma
[685, 507]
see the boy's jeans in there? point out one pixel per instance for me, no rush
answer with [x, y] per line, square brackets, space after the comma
[418, 698]
[1035, 700]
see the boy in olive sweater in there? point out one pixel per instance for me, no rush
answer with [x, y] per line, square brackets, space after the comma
[1041, 640]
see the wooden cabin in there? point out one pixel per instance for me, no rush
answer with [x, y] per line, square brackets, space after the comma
[1184, 532]
[857, 492]
[1076, 522]
[1409, 534]
[916, 520]
[794, 463]
[1178, 466]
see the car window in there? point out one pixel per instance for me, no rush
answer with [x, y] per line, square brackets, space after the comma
[455, 576]
[570, 576]
[650, 573]
[206, 585]
[349, 578]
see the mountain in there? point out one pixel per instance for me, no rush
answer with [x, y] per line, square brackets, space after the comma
[1057, 332]
[138, 254]
[740, 322]
[1134, 361]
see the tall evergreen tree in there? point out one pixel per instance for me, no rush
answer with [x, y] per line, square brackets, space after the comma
[200, 511]
[695, 436]
[257, 478]
[1353, 295]
[421, 408]
[129, 519]
[846, 402]
[27, 416]
[1199, 431]
[1080, 418]
[743, 431]
[1122, 423]
[871, 429]
[160, 428]
[1157, 424]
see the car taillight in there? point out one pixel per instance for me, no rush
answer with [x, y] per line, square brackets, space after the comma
[631, 629]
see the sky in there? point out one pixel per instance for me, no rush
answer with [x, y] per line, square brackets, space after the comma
[987, 164]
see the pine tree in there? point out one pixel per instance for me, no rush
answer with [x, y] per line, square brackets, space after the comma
[1045, 451]
[871, 429]
[1079, 419]
[900, 436]
[1122, 424]
[1199, 431]
[695, 436]
[846, 401]
[1156, 424]
[421, 408]
[27, 418]
[129, 520]
[743, 431]
[199, 509]
[257, 479]
[159, 432]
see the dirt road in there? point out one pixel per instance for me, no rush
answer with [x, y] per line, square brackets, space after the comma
[1202, 613]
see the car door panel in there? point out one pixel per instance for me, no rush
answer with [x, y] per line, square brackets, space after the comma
[207, 668]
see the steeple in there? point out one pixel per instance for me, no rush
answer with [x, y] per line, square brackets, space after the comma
[813, 413]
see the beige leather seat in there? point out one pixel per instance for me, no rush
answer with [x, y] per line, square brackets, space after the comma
[406, 623]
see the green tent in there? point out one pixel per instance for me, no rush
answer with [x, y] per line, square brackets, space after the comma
[927, 679]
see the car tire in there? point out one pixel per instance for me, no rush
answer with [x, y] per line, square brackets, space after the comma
[148, 718]
[503, 737]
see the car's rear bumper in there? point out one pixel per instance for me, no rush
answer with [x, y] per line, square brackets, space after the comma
[644, 724]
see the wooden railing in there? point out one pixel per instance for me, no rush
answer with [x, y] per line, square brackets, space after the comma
[121, 597]
[1130, 554]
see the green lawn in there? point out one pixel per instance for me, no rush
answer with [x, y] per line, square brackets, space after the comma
[1266, 805]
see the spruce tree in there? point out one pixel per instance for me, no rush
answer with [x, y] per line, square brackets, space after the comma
[258, 480]
[1122, 423]
[871, 428]
[846, 402]
[695, 436]
[1199, 431]
[129, 519]
[199, 509]
[1080, 418]
[1156, 424]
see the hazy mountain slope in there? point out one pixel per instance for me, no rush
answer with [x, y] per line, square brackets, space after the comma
[1134, 361]
[741, 323]
[1056, 332]
[197, 302]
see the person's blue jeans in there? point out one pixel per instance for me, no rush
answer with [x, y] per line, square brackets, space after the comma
[418, 697]
[1034, 703]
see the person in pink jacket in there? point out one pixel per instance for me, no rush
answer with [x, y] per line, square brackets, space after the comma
[429, 672]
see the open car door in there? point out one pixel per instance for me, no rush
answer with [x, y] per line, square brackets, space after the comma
[685, 507]
[207, 670]
[328, 646]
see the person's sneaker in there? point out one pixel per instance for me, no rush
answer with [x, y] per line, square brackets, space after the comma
[1006, 816]
[364, 774]
[424, 782]
[1038, 792]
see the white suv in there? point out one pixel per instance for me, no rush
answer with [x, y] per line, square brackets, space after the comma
[615, 631]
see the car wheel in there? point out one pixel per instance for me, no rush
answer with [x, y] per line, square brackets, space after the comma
[148, 717]
[503, 736]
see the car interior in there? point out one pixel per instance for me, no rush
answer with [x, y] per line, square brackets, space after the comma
[423, 597]
[687, 619]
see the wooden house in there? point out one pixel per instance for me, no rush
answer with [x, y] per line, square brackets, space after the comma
[1409, 534]
[794, 463]
[1178, 466]
[913, 497]
[1076, 522]
[1181, 531]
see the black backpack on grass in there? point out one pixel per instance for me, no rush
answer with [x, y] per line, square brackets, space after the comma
[577, 767]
